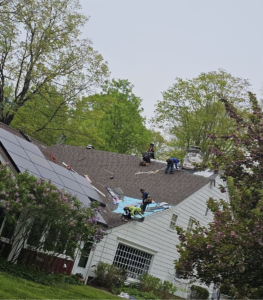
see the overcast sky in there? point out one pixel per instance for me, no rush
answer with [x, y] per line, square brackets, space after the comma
[151, 42]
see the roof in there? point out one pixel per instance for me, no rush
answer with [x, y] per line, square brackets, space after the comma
[123, 171]
[118, 171]
[27, 156]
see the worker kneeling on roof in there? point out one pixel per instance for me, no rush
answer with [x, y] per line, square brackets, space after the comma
[130, 211]
[170, 164]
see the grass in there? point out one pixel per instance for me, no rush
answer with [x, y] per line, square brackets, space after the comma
[12, 287]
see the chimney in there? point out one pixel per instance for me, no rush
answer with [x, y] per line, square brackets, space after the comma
[193, 155]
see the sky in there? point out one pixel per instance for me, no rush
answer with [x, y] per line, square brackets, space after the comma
[152, 42]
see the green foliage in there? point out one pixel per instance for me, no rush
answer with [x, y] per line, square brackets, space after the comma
[198, 292]
[34, 274]
[45, 117]
[42, 48]
[13, 287]
[109, 276]
[36, 208]
[229, 250]
[191, 110]
[149, 283]
[163, 290]
[111, 120]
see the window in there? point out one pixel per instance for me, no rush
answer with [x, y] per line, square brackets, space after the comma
[36, 233]
[173, 222]
[134, 261]
[207, 212]
[85, 255]
[190, 225]
[9, 225]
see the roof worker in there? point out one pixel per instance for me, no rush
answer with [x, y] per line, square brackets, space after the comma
[170, 164]
[130, 211]
[145, 196]
[151, 150]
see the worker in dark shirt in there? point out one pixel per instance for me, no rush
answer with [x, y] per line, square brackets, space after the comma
[170, 164]
[151, 150]
[145, 196]
[127, 214]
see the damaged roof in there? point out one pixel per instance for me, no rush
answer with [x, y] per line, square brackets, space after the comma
[123, 171]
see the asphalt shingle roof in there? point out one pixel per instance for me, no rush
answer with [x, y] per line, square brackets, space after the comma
[101, 165]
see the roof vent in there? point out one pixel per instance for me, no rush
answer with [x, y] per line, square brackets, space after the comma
[90, 147]
[25, 136]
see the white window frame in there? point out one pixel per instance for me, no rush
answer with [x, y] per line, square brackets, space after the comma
[134, 260]
[190, 224]
[173, 221]
[207, 211]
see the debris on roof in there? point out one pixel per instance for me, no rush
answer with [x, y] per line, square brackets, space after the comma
[68, 167]
[108, 172]
[87, 177]
[150, 172]
[115, 198]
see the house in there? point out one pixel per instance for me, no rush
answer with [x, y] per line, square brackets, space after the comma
[25, 154]
[150, 246]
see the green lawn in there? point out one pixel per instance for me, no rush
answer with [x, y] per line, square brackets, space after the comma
[12, 287]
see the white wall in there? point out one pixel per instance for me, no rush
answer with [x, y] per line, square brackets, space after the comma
[155, 237]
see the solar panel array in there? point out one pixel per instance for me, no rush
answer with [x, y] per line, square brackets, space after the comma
[28, 157]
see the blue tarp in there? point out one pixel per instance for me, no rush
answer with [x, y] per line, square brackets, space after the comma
[136, 202]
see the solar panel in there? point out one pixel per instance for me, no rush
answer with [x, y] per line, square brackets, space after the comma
[83, 198]
[9, 136]
[49, 175]
[39, 160]
[73, 185]
[101, 220]
[62, 171]
[81, 179]
[29, 146]
[23, 170]
[90, 192]
[61, 187]
[28, 157]
[24, 163]
[14, 148]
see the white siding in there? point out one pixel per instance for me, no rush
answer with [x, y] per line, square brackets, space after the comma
[155, 236]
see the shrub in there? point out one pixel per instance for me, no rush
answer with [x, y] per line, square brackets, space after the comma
[163, 290]
[148, 282]
[198, 292]
[109, 276]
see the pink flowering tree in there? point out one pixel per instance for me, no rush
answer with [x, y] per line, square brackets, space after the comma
[35, 213]
[230, 250]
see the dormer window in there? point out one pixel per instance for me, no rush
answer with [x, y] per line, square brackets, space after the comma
[190, 225]
[173, 221]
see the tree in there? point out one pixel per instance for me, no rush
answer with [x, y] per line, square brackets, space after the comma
[114, 118]
[36, 212]
[34, 117]
[230, 250]
[41, 50]
[190, 109]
